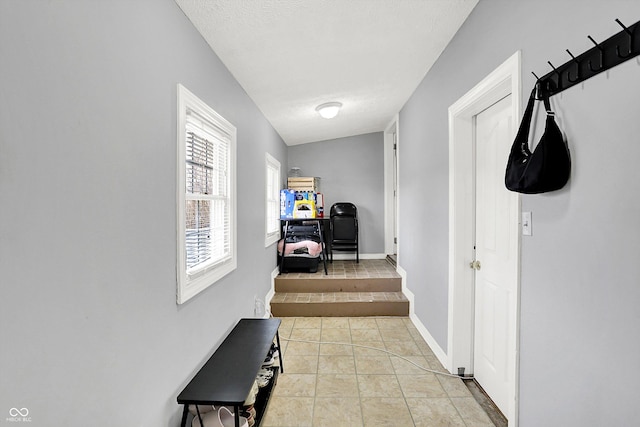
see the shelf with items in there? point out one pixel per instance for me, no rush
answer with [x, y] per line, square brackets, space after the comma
[300, 232]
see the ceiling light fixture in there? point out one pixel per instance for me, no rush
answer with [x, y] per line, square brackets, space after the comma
[329, 110]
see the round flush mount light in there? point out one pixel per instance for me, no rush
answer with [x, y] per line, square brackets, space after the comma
[329, 110]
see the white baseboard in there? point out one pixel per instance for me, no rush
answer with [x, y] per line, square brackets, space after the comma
[424, 332]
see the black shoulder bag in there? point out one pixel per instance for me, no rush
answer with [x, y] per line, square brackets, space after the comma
[548, 167]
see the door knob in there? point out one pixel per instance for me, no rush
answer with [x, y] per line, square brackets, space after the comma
[475, 265]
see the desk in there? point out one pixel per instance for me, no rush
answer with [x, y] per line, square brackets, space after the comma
[299, 221]
[228, 375]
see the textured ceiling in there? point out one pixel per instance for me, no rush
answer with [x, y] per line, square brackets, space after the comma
[290, 56]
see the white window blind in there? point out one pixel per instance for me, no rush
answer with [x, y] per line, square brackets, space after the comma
[207, 194]
[206, 208]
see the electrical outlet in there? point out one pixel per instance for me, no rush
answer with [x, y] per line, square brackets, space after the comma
[258, 307]
[527, 226]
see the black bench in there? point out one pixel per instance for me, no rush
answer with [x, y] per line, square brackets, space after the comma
[227, 377]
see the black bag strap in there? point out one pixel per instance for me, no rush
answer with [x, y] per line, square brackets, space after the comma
[525, 124]
[545, 99]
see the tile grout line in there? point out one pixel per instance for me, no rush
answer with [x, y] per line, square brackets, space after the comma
[404, 397]
[315, 391]
[355, 368]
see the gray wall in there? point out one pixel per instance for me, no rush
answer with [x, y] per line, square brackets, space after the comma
[351, 170]
[580, 290]
[89, 328]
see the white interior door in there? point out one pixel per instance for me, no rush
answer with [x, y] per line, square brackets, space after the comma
[494, 284]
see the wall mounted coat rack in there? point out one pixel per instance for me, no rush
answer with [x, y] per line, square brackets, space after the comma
[604, 55]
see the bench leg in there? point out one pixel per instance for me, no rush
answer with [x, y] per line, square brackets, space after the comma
[184, 415]
[279, 351]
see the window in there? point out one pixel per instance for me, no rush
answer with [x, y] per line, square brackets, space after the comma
[206, 196]
[272, 200]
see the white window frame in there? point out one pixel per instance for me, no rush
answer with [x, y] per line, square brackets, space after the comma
[191, 282]
[272, 200]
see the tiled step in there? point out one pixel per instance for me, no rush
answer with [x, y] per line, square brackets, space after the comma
[313, 285]
[368, 288]
[340, 304]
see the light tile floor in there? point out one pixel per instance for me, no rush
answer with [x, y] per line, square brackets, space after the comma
[331, 384]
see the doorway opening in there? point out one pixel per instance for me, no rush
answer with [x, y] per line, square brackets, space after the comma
[391, 145]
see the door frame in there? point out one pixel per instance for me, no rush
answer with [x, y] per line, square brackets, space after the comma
[390, 203]
[503, 81]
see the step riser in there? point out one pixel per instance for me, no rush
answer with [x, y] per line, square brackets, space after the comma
[338, 285]
[341, 309]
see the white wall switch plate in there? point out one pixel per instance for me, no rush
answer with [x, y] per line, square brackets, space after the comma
[527, 227]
